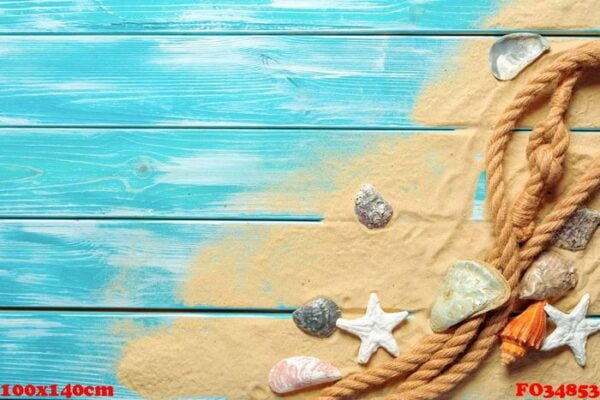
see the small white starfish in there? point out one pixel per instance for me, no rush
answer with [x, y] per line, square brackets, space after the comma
[374, 329]
[571, 329]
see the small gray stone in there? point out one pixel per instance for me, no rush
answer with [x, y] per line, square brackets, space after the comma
[371, 208]
[317, 317]
[578, 230]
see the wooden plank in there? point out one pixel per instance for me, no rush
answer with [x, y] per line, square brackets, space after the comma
[86, 346]
[35, 344]
[207, 265]
[213, 81]
[186, 263]
[57, 263]
[236, 174]
[186, 16]
[223, 81]
[172, 173]
[191, 174]
[210, 356]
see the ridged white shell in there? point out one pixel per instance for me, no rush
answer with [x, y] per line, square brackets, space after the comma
[469, 288]
[512, 53]
[301, 372]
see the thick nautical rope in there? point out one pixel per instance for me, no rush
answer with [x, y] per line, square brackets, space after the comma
[440, 361]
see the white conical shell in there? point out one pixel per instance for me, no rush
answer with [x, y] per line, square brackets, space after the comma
[469, 288]
[301, 372]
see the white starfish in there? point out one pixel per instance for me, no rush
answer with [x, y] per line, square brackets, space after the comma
[374, 329]
[571, 329]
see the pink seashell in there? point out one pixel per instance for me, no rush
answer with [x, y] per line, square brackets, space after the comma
[302, 372]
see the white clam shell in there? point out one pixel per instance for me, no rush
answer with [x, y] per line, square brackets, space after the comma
[512, 53]
[469, 288]
[301, 372]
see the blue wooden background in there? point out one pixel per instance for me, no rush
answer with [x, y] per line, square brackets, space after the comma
[127, 127]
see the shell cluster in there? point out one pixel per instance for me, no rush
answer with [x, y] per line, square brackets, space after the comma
[524, 332]
[550, 276]
[371, 208]
[317, 317]
[578, 230]
[302, 372]
[512, 53]
[469, 288]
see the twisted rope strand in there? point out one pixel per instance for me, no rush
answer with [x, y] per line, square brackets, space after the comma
[554, 143]
[443, 357]
[516, 265]
[388, 371]
[576, 196]
[546, 151]
[539, 137]
[432, 357]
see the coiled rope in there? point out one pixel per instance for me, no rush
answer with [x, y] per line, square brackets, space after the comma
[440, 361]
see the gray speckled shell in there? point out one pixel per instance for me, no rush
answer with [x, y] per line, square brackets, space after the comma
[469, 288]
[550, 276]
[578, 230]
[371, 208]
[317, 317]
[512, 53]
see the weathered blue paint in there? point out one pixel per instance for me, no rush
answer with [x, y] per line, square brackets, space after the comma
[162, 173]
[144, 174]
[45, 348]
[63, 348]
[123, 80]
[246, 16]
[479, 200]
[218, 81]
[68, 263]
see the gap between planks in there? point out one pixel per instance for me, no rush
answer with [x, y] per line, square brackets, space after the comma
[206, 313]
[353, 128]
[401, 128]
[198, 311]
[433, 33]
[308, 219]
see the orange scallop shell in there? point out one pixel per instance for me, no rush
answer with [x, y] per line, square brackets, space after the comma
[524, 332]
